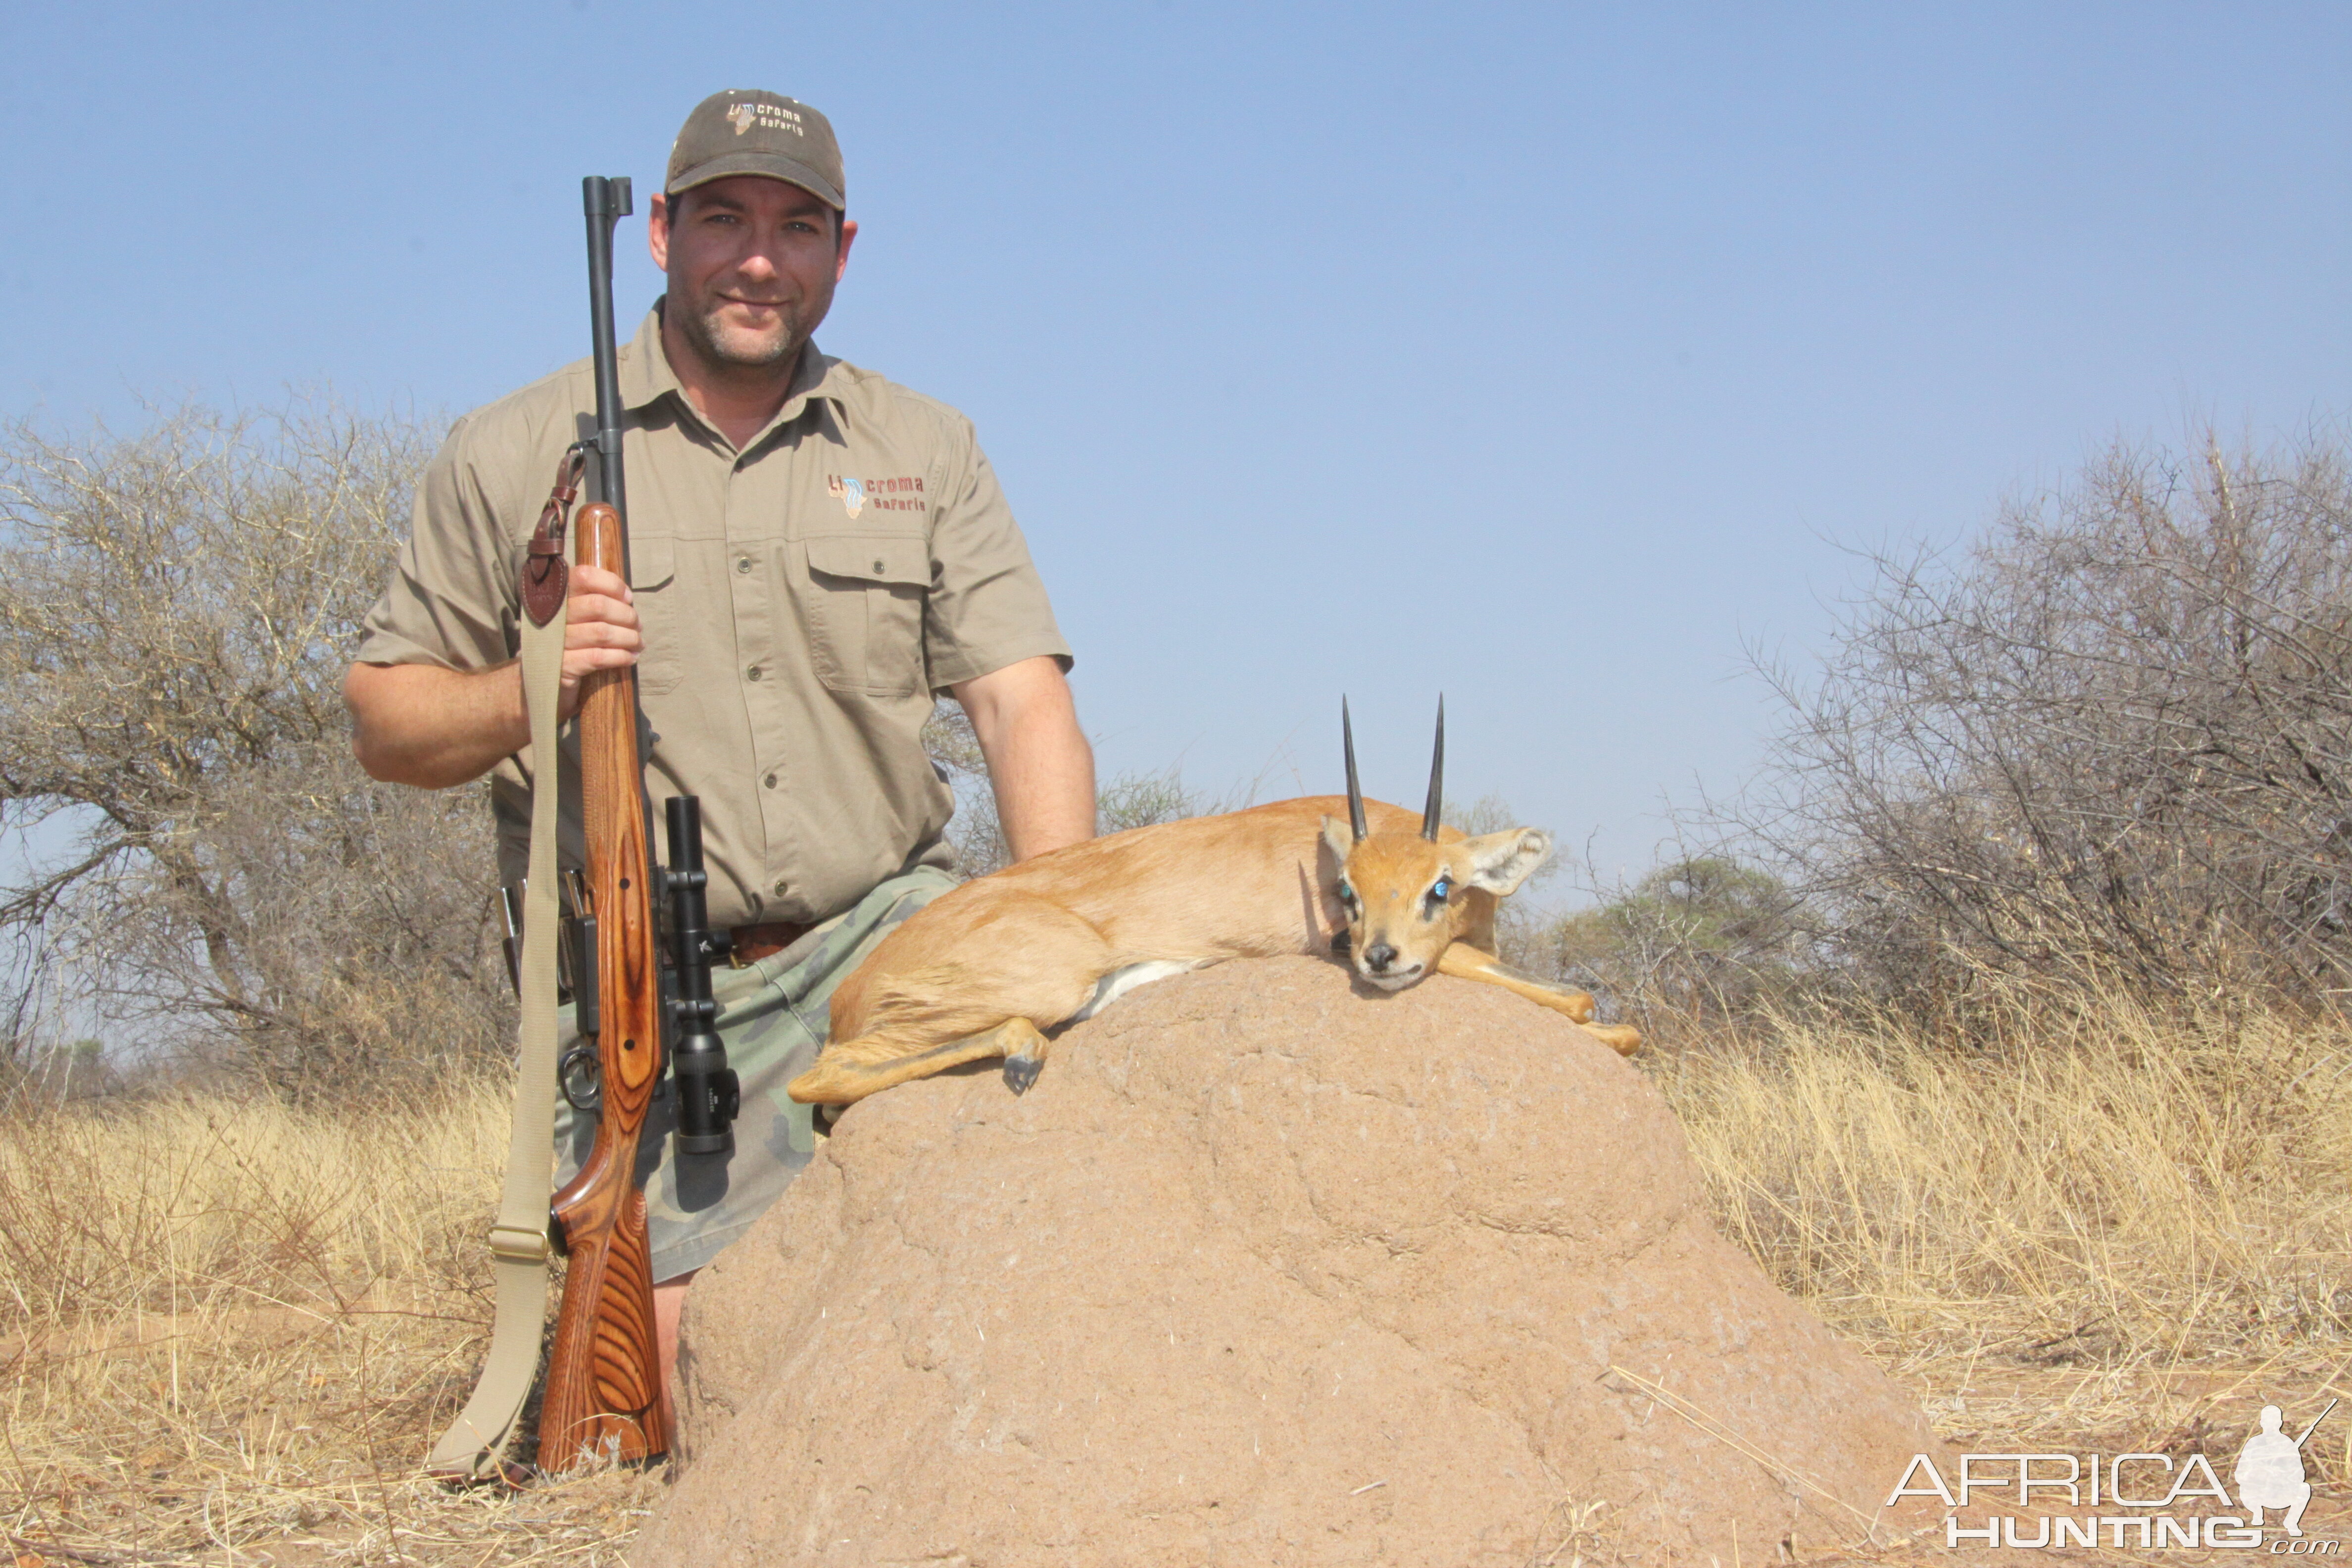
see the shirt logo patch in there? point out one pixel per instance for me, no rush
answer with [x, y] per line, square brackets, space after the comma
[902, 492]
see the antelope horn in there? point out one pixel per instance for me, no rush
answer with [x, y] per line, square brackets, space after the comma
[1355, 790]
[1437, 779]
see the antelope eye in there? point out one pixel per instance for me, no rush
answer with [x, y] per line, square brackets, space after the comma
[1445, 888]
[1347, 894]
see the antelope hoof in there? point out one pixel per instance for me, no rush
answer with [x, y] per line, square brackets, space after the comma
[1020, 1072]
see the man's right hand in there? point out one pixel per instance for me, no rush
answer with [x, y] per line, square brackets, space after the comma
[600, 632]
[433, 727]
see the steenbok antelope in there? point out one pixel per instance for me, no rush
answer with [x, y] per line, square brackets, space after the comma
[983, 969]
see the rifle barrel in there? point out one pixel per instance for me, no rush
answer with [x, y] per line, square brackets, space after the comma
[605, 200]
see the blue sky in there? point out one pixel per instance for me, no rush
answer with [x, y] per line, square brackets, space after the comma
[1541, 355]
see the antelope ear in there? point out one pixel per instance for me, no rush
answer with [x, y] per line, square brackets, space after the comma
[1499, 862]
[1339, 839]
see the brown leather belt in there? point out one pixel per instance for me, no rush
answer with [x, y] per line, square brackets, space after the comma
[753, 943]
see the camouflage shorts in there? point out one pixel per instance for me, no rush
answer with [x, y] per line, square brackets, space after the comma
[772, 1015]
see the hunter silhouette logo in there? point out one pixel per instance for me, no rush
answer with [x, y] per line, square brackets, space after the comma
[2270, 1470]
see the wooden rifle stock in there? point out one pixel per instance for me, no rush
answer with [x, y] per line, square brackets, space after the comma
[605, 1393]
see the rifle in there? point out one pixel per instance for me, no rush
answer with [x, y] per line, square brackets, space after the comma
[605, 1389]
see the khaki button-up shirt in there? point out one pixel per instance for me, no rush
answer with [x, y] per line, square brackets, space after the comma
[802, 599]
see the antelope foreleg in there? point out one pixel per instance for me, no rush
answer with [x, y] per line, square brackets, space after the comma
[1623, 1038]
[853, 1069]
[1466, 963]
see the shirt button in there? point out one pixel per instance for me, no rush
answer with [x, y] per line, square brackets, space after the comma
[744, 564]
[780, 888]
[770, 780]
[753, 673]
[877, 566]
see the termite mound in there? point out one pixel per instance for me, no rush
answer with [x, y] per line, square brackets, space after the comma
[1269, 1269]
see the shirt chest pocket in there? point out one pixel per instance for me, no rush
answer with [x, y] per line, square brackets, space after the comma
[652, 586]
[865, 597]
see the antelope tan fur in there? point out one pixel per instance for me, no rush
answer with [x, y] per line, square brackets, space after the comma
[983, 971]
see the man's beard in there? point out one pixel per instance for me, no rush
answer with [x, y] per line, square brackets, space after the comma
[718, 343]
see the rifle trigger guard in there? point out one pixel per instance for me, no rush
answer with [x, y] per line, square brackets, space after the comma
[581, 1074]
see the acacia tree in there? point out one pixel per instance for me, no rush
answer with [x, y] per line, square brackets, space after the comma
[2110, 744]
[177, 608]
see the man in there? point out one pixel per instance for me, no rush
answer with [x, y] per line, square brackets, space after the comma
[815, 553]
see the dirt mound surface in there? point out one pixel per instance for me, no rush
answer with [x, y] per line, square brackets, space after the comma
[1268, 1270]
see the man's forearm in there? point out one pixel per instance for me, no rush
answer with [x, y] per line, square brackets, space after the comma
[429, 726]
[1044, 786]
[1038, 760]
[421, 725]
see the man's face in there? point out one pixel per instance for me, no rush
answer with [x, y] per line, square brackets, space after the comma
[752, 264]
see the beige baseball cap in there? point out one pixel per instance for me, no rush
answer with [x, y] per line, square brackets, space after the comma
[745, 131]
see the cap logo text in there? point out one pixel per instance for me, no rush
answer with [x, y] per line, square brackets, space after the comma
[766, 116]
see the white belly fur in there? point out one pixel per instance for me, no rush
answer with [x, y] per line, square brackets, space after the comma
[1119, 981]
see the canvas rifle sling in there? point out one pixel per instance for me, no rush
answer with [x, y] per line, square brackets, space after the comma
[475, 1446]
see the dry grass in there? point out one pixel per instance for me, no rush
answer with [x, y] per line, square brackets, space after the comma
[2140, 1229]
[232, 1330]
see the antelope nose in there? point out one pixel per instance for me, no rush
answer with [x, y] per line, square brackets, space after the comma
[1378, 956]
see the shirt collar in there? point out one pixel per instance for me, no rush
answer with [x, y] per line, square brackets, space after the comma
[643, 371]
[646, 377]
